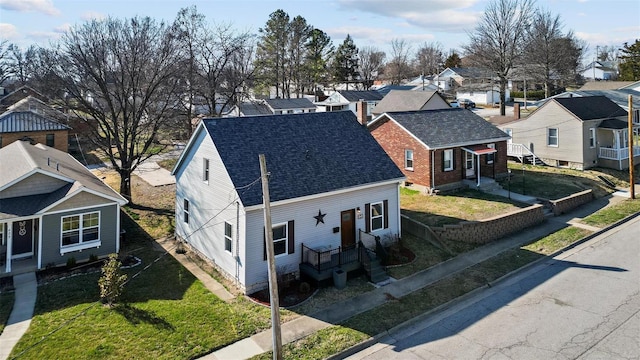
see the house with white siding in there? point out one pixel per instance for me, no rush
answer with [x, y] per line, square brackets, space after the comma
[332, 189]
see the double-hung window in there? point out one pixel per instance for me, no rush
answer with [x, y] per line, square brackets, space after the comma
[408, 159]
[50, 140]
[280, 239]
[592, 137]
[185, 211]
[447, 160]
[80, 231]
[228, 235]
[205, 170]
[491, 157]
[377, 216]
[552, 137]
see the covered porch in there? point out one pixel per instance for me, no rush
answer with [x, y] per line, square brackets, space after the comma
[18, 246]
[473, 164]
[613, 140]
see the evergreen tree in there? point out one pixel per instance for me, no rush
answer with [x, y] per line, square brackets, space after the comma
[271, 54]
[319, 51]
[345, 62]
[630, 62]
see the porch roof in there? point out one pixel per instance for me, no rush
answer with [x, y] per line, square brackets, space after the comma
[479, 149]
[30, 204]
[614, 124]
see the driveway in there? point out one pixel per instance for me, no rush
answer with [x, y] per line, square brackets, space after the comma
[583, 304]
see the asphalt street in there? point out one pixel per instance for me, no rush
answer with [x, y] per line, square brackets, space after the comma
[582, 304]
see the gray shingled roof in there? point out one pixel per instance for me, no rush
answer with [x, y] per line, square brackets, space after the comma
[591, 107]
[24, 159]
[353, 95]
[25, 121]
[307, 154]
[284, 104]
[403, 100]
[445, 128]
[615, 124]
[251, 109]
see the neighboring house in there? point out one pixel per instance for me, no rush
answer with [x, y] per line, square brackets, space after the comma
[600, 70]
[274, 107]
[575, 132]
[351, 100]
[398, 100]
[440, 149]
[605, 85]
[484, 93]
[385, 89]
[52, 209]
[35, 127]
[331, 185]
[619, 96]
[17, 95]
[451, 78]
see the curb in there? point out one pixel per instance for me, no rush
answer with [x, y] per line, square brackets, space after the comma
[451, 303]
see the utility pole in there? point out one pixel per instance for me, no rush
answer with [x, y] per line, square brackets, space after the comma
[632, 185]
[271, 261]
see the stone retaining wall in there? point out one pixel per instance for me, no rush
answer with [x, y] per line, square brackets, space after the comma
[570, 202]
[485, 231]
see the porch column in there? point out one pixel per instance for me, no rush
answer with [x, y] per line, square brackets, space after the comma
[9, 246]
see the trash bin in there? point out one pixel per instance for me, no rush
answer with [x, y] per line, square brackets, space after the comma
[339, 278]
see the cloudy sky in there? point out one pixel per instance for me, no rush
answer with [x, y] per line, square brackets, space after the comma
[369, 22]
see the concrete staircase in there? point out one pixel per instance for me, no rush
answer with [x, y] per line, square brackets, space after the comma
[374, 269]
[486, 184]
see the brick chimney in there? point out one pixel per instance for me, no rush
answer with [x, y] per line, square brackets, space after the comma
[516, 111]
[361, 112]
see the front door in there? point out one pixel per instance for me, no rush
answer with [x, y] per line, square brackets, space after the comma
[470, 165]
[348, 228]
[22, 239]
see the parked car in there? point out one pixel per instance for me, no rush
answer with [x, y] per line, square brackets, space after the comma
[454, 104]
[466, 103]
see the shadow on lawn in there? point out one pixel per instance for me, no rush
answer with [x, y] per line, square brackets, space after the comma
[137, 316]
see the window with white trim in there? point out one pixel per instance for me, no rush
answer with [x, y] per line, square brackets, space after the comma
[552, 137]
[592, 137]
[205, 170]
[447, 160]
[408, 159]
[228, 235]
[377, 216]
[280, 239]
[80, 229]
[491, 157]
[185, 211]
[2, 235]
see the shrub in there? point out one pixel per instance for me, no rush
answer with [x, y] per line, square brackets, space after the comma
[304, 287]
[93, 258]
[71, 262]
[112, 281]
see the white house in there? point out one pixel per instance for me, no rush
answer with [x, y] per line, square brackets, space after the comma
[485, 94]
[331, 186]
[351, 100]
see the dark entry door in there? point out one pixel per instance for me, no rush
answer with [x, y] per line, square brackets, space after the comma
[348, 228]
[22, 238]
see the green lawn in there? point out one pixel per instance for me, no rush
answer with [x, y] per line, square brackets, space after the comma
[612, 214]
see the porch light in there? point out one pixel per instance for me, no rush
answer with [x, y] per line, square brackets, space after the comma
[358, 212]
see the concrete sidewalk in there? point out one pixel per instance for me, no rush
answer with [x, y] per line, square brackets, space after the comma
[341, 311]
[26, 291]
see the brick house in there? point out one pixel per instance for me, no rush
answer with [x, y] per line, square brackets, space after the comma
[34, 127]
[441, 149]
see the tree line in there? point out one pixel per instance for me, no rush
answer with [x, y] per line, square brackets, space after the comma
[129, 80]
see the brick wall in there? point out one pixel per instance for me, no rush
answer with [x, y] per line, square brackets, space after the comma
[482, 232]
[571, 202]
[61, 138]
[394, 141]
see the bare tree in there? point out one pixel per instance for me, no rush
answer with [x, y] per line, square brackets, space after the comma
[499, 39]
[121, 77]
[371, 64]
[398, 67]
[5, 68]
[429, 59]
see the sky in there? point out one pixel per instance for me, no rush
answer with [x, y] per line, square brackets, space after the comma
[369, 22]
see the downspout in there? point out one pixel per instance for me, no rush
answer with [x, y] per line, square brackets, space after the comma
[399, 215]
[118, 229]
[237, 243]
[478, 159]
[433, 170]
[40, 242]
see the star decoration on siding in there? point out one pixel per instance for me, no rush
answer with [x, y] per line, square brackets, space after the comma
[320, 217]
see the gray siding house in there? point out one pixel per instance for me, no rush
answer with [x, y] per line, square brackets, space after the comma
[575, 132]
[52, 208]
[330, 185]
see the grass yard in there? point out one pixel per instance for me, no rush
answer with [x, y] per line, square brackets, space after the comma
[452, 208]
[427, 256]
[612, 214]
[555, 183]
